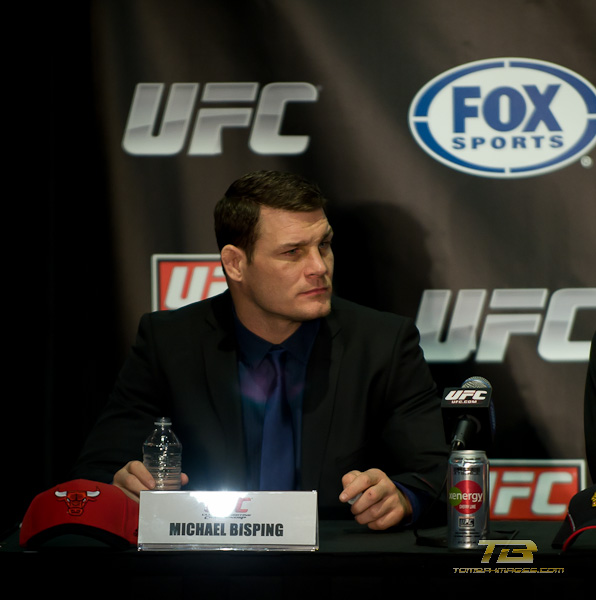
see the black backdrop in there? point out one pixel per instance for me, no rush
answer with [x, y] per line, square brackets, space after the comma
[399, 213]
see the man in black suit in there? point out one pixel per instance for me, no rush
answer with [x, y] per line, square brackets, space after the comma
[365, 420]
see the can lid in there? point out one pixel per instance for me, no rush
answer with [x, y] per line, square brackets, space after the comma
[465, 453]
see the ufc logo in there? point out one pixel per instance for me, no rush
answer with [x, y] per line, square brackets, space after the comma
[240, 505]
[516, 312]
[262, 112]
[526, 553]
[466, 395]
[179, 280]
[534, 489]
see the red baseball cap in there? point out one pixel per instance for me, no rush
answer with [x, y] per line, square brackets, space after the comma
[84, 508]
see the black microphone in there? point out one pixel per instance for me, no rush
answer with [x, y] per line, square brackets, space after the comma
[468, 415]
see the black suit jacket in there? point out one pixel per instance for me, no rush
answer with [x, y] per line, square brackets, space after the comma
[369, 401]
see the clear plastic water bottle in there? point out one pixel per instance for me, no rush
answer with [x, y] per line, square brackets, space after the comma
[162, 455]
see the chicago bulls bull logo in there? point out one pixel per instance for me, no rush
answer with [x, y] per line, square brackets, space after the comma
[76, 500]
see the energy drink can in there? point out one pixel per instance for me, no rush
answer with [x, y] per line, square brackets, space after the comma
[467, 499]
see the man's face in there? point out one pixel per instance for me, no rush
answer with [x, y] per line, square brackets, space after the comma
[289, 277]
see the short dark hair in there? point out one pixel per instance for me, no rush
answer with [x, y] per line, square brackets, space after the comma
[236, 215]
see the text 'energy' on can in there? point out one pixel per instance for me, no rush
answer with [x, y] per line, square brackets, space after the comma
[467, 499]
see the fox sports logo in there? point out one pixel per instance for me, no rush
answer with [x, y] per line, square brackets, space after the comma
[505, 117]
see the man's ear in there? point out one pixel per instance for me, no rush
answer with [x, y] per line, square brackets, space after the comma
[233, 260]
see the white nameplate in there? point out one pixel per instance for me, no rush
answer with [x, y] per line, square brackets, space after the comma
[228, 521]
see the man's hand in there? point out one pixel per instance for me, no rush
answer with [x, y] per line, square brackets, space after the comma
[380, 505]
[134, 477]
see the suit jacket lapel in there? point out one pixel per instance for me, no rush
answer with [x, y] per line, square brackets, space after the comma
[221, 368]
[319, 400]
